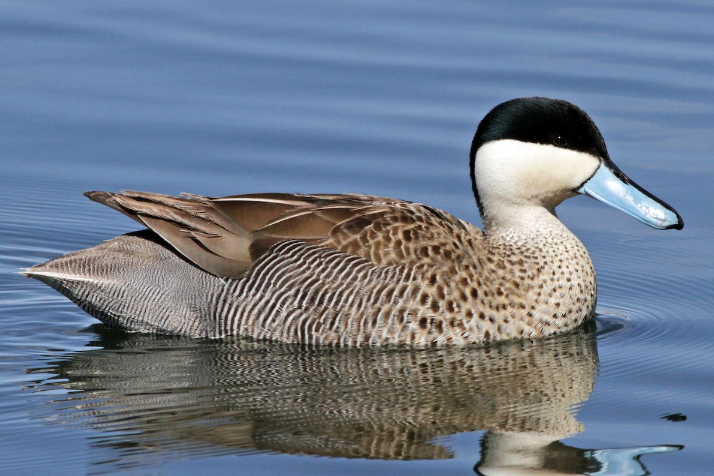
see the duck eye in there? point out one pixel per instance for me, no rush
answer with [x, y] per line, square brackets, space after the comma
[559, 140]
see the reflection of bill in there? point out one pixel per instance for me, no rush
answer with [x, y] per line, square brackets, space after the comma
[166, 397]
[521, 454]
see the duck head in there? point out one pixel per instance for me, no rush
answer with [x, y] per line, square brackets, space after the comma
[530, 154]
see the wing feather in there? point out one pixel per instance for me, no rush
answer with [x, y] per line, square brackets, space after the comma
[226, 235]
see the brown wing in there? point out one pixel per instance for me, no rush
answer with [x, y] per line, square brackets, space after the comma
[224, 236]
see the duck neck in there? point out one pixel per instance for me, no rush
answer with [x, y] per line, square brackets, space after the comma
[523, 218]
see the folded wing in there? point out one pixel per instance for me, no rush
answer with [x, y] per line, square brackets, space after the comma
[226, 235]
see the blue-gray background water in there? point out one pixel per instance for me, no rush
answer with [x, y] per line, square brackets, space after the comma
[219, 98]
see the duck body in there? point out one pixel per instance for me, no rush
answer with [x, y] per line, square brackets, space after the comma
[358, 270]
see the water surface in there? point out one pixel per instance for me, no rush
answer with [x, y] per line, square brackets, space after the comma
[376, 97]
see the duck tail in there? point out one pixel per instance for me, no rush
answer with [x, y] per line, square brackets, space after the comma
[134, 282]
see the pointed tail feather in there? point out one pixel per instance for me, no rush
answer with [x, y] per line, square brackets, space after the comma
[134, 282]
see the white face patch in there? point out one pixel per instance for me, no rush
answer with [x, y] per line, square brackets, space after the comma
[513, 177]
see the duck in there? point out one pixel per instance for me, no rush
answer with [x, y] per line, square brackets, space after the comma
[360, 270]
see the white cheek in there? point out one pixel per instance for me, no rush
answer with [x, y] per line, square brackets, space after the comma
[522, 171]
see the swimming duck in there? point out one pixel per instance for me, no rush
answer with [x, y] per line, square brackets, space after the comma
[358, 270]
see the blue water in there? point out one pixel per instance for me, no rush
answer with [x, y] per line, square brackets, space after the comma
[219, 98]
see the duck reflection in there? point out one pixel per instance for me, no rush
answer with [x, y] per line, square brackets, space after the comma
[155, 395]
